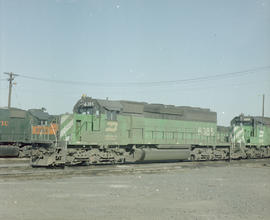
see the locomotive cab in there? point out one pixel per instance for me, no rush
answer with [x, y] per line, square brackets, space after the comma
[242, 129]
[250, 136]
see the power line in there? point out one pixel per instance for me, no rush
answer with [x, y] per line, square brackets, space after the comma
[153, 83]
[185, 88]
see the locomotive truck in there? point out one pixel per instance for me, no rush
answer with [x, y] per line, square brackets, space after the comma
[105, 131]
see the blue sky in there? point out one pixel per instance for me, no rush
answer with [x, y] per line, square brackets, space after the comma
[110, 41]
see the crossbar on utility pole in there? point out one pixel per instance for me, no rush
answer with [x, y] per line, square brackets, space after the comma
[10, 79]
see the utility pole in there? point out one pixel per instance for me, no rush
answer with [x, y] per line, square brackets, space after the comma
[10, 79]
[263, 109]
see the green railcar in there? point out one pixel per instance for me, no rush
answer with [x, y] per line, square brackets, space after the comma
[104, 131]
[16, 130]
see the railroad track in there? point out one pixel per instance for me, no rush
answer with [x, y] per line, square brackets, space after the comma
[19, 170]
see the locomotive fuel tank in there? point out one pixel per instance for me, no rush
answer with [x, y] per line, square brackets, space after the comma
[153, 155]
[163, 153]
[9, 151]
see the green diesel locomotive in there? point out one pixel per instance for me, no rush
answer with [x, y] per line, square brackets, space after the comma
[105, 131]
[250, 137]
[20, 129]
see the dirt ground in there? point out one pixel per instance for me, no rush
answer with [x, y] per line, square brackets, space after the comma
[209, 190]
